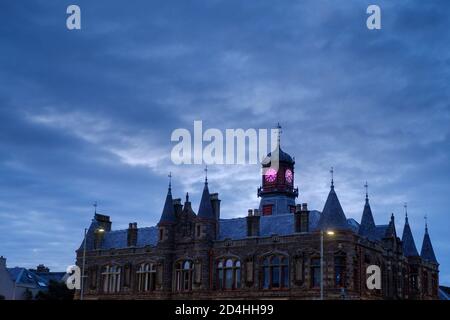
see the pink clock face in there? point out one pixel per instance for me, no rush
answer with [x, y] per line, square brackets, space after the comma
[271, 175]
[288, 176]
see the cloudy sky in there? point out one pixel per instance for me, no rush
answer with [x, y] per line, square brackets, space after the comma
[87, 115]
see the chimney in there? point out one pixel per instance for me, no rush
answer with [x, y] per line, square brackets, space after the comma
[253, 222]
[42, 269]
[132, 234]
[104, 221]
[2, 262]
[215, 202]
[178, 207]
[301, 218]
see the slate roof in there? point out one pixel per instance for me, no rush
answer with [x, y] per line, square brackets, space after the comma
[427, 252]
[283, 157]
[333, 216]
[205, 209]
[368, 227]
[25, 277]
[168, 213]
[409, 247]
[281, 224]
[118, 239]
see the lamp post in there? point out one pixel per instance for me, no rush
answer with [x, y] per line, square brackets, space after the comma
[330, 233]
[82, 265]
[99, 230]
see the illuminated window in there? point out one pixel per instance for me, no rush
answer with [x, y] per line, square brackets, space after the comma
[267, 210]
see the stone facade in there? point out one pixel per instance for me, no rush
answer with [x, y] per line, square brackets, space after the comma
[267, 254]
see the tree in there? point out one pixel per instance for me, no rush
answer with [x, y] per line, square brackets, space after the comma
[56, 291]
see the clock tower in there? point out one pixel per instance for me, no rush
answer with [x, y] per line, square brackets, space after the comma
[277, 192]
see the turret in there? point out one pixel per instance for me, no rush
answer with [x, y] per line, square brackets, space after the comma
[367, 227]
[332, 217]
[168, 218]
[207, 217]
[409, 247]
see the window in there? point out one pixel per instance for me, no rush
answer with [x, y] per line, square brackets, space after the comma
[183, 276]
[275, 272]
[111, 279]
[198, 231]
[267, 210]
[146, 276]
[161, 234]
[229, 274]
[339, 271]
[315, 272]
[425, 283]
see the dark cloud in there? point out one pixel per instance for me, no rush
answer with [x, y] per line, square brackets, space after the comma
[87, 115]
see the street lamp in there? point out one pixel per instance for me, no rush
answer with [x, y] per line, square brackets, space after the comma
[329, 233]
[99, 230]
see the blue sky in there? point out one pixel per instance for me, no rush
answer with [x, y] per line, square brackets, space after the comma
[87, 115]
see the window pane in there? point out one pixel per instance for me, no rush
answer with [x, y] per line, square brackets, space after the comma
[266, 277]
[238, 278]
[228, 278]
[229, 263]
[220, 279]
[285, 272]
[275, 277]
[316, 277]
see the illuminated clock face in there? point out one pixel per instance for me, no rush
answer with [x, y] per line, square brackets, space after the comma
[288, 176]
[271, 175]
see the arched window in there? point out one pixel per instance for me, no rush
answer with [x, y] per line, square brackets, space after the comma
[183, 275]
[339, 271]
[146, 276]
[275, 272]
[315, 272]
[229, 274]
[111, 279]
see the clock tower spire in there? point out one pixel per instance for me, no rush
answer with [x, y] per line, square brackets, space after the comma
[277, 192]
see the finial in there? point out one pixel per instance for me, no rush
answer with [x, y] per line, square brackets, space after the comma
[187, 196]
[170, 180]
[279, 134]
[332, 177]
[405, 205]
[95, 207]
[426, 223]
[206, 174]
[367, 191]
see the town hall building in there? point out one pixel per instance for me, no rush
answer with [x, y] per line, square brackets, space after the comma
[273, 251]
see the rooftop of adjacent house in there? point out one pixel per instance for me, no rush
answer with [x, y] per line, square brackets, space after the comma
[25, 277]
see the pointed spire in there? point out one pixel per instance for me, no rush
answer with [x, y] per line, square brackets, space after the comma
[390, 231]
[95, 207]
[168, 214]
[409, 246]
[427, 252]
[367, 227]
[332, 216]
[205, 209]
